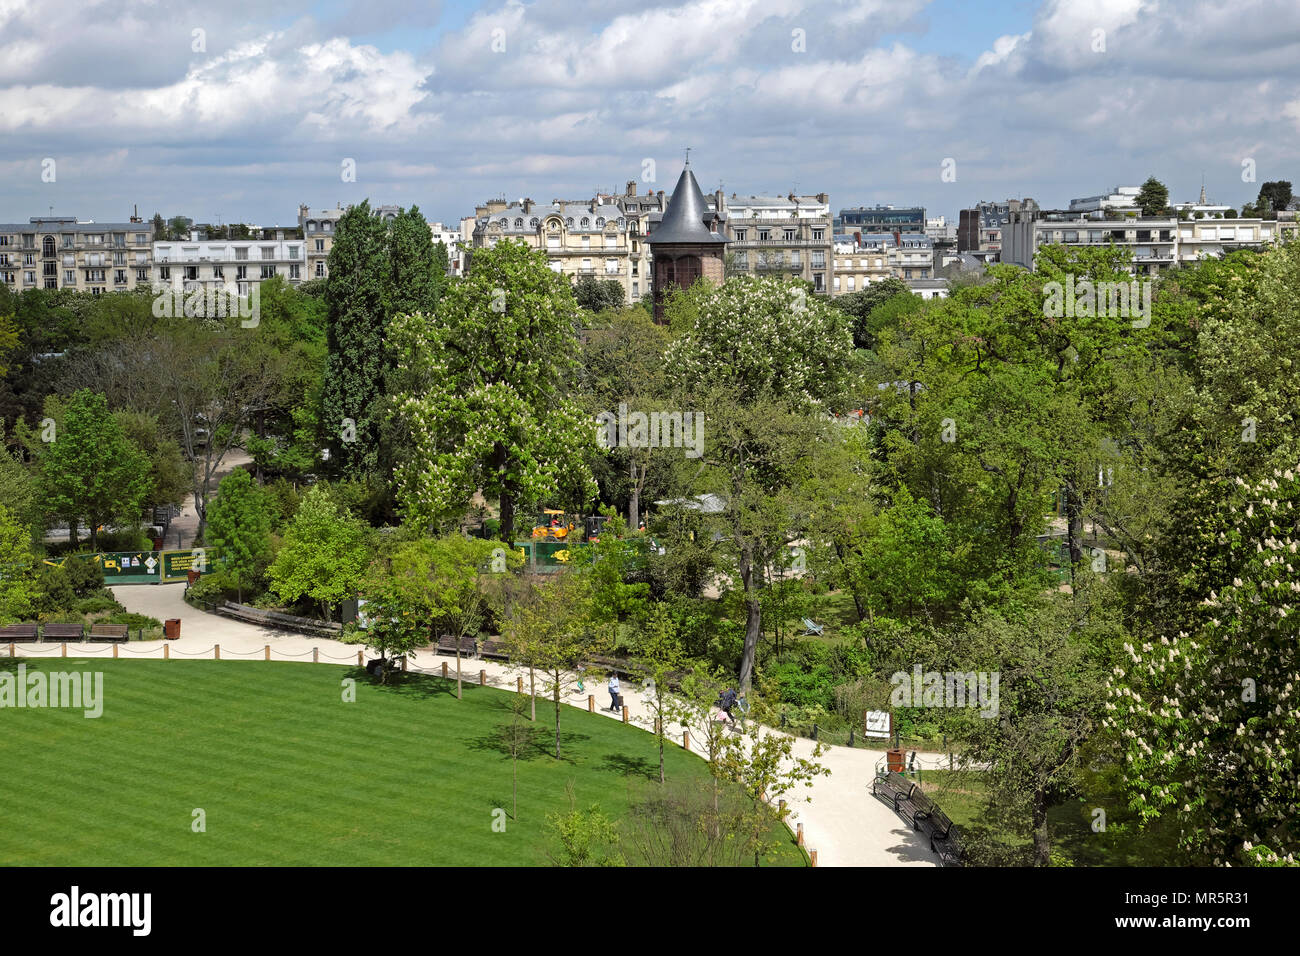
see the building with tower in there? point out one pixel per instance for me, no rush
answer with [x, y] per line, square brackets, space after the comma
[686, 243]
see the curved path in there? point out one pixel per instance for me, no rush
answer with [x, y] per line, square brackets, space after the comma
[842, 821]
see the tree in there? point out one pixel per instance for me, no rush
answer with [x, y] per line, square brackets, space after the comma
[547, 632]
[17, 564]
[91, 472]
[418, 277]
[659, 660]
[1206, 717]
[1273, 197]
[239, 527]
[586, 836]
[170, 475]
[598, 295]
[18, 489]
[323, 556]
[1153, 198]
[159, 227]
[767, 360]
[518, 738]
[762, 762]
[358, 295]
[480, 394]
[861, 306]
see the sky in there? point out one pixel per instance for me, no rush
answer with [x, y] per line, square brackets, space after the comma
[239, 111]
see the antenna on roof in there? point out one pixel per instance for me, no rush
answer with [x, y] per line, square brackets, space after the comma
[688, 155]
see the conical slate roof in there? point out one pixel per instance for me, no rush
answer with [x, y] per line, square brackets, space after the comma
[684, 219]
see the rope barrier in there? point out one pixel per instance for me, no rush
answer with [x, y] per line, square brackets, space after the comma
[141, 652]
[260, 650]
[275, 651]
[176, 650]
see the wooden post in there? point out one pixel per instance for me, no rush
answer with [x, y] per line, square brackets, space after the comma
[65, 650]
[403, 665]
[482, 678]
[519, 684]
[444, 670]
[11, 650]
[115, 650]
[798, 834]
[361, 658]
[686, 740]
[781, 808]
[216, 652]
[812, 857]
[625, 713]
[167, 652]
[591, 703]
[315, 654]
[268, 652]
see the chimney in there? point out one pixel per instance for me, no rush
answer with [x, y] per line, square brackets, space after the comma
[823, 197]
[631, 187]
[898, 238]
[528, 205]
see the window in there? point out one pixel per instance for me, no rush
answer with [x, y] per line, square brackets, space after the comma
[191, 273]
[164, 272]
[636, 289]
[293, 271]
[817, 234]
[268, 272]
[320, 270]
[119, 258]
[241, 253]
[556, 265]
[568, 222]
[552, 242]
[740, 235]
[794, 258]
[819, 260]
[142, 239]
[764, 235]
[586, 242]
[742, 260]
[611, 267]
[50, 269]
[119, 277]
[293, 252]
[586, 223]
[48, 248]
[268, 253]
[4, 240]
[320, 245]
[586, 265]
[850, 283]
[519, 223]
[819, 285]
[835, 283]
[29, 258]
[532, 223]
[611, 241]
[141, 275]
[789, 235]
[218, 272]
[241, 272]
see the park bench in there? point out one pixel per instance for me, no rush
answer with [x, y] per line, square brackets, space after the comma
[614, 665]
[447, 645]
[811, 628]
[943, 837]
[896, 790]
[62, 632]
[17, 633]
[289, 622]
[496, 650]
[115, 633]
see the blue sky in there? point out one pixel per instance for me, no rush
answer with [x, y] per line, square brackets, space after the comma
[243, 110]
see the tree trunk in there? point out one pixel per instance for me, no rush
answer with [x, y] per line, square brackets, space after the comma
[634, 502]
[507, 517]
[532, 692]
[1074, 524]
[662, 730]
[556, 675]
[753, 617]
[1042, 842]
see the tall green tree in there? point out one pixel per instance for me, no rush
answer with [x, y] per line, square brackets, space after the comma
[239, 527]
[324, 554]
[17, 568]
[481, 394]
[417, 276]
[358, 295]
[1153, 198]
[91, 472]
[764, 360]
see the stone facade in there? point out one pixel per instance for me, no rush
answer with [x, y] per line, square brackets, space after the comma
[58, 252]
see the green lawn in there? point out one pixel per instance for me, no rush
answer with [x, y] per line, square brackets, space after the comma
[289, 774]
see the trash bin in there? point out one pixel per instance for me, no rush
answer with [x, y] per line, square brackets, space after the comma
[894, 760]
[172, 628]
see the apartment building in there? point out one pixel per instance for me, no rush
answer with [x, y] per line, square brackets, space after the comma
[217, 264]
[1121, 199]
[979, 229]
[880, 219]
[318, 230]
[62, 252]
[602, 237]
[864, 258]
[451, 239]
[791, 235]
[1156, 242]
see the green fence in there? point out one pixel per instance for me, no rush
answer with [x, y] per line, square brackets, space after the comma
[145, 567]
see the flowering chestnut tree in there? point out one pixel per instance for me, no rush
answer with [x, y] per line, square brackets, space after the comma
[481, 398]
[1210, 720]
[765, 359]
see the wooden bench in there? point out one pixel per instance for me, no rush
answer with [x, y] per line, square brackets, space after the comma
[496, 650]
[62, 632]
[17, 633]
[447, 645]
[115, 633]
[911, 803]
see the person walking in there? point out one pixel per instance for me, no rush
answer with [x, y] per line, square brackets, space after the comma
[613, 692]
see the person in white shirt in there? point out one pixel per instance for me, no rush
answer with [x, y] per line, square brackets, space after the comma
[613, 691]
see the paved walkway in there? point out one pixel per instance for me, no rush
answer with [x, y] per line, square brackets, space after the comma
[843, 822]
